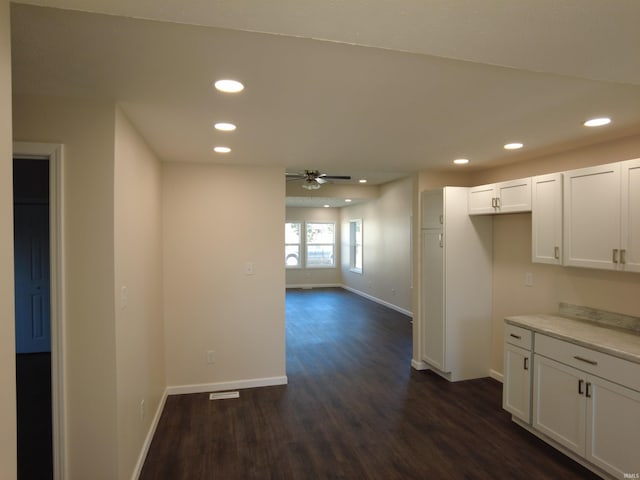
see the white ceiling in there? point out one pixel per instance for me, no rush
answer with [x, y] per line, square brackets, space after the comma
[447, 78]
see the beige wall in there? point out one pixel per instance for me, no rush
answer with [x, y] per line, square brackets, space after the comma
[387, 256]
[613, 291]
[215, 220]
[7, 322]
[138, 268]
[315, 276]
[86, 128]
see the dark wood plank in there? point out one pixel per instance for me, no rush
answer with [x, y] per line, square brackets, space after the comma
[353, 409]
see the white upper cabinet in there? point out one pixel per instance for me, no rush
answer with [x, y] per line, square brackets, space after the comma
[602, 217]
[504, 197]
[630, 215]
[546, 219]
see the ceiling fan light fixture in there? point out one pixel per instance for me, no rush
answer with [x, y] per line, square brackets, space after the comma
[311, 185]
[221, 149]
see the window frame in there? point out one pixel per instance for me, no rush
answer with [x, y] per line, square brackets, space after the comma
[307, 243]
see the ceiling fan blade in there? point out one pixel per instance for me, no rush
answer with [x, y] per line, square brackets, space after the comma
[320, 180]
[337, 177]
[294, 175]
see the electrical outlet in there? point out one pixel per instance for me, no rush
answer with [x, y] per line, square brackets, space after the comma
[211, 356]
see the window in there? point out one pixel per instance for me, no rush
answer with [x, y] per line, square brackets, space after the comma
[310, 245]
[292, 244]
[355, 246]
[320, 245]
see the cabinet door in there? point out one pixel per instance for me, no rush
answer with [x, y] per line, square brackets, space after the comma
[433, 315]
[546, 219]
[516, 388]
[431, 208]
[481, 200]
[592, 216]
[613, 423]
[558, 405]
[630, 212]
[514, 196]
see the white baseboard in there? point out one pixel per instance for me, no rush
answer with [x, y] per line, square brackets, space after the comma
[377, 300]
[309, 286]
[147, 441]
[221, 386]
[419, 365]
[496, 375]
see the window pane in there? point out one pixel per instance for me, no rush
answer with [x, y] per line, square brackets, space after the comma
[292, 232]
[358, 260]
[320, 233]
[292, 255]
[319, 255]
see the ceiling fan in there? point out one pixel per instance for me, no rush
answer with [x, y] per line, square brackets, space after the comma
[313, 179]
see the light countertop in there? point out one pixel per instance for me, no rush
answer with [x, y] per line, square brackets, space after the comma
[613, 341]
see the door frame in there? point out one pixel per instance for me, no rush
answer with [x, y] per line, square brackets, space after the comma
[54, 154]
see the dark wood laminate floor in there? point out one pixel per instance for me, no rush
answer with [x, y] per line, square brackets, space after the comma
[353, 409]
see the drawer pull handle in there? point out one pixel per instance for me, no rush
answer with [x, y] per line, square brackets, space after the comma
[588, 393]
[515, 336]
[586, 360]
[615, 255]
[526, 363]
[556, 253]
[623, 256]
[580, 383]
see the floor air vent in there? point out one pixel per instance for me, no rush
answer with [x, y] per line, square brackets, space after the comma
[223, 395]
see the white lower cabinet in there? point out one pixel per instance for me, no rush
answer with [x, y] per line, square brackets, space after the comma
[516, 393]
[559, 403]
[613, 426]
[592, 417]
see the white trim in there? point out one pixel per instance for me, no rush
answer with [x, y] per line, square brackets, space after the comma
[53, 152]
[149, 438]
[381, 302]
[419, 365]
[496, 375]
[220, 386]
[315, 285]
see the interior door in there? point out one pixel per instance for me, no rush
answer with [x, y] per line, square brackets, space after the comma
[31, 230]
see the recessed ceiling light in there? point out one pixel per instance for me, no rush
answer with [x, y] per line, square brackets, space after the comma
[513, 146]
[363, 180]
[221, 149]
[327, 206]
[348, 200]
[461, 161]
[597, 122]
[229, 86]
[225, 127]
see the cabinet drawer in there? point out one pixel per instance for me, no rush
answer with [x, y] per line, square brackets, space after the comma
[518, 336]
[614, 369]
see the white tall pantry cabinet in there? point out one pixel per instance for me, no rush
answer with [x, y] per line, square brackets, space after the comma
[456, 285]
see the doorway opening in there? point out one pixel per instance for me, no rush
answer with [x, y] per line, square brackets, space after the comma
[32, 317]
[38, 310]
